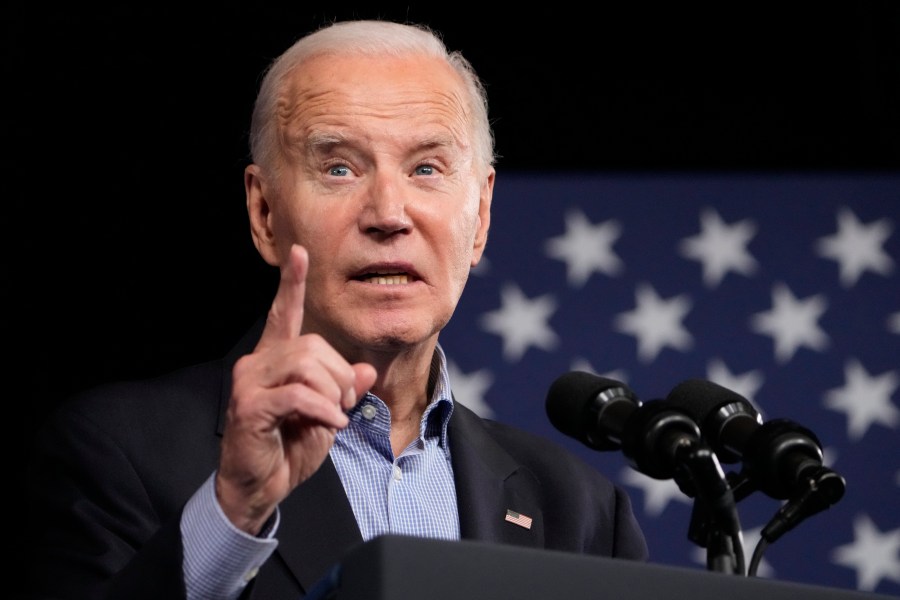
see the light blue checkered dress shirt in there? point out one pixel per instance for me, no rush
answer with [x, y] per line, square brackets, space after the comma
[410, 494]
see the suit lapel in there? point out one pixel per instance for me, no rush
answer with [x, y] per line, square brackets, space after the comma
[317, 526]
[489, 482]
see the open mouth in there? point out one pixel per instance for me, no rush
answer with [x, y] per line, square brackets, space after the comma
[385, 278]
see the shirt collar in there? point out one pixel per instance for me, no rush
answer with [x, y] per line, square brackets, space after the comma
[437, 413]
[436, 417]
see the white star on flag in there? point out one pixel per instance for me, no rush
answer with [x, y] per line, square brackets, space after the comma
[873, 554]
[857, 247]
[792, 323]
[521, 322]
[469, 388]
[586, 248]
[720, 247]
[656, 323]
[865, 399]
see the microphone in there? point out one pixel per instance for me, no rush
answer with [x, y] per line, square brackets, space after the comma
[590, 408]
[782, 458]
[660, 440]
[604, 414]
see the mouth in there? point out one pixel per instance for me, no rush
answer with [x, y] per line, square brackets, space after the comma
[387, 274]
[385, 278]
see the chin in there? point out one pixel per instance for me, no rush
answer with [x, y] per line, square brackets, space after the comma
[396, 336]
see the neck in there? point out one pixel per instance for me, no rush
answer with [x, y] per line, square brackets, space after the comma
[406, 385]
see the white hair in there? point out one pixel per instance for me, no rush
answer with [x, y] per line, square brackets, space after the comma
[365, 37]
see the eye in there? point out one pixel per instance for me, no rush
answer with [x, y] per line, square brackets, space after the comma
[339, 170]
[424, 170]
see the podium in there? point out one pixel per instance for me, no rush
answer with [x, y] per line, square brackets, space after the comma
[407, 568]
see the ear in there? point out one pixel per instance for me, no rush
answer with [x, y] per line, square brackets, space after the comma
[484, 216]
[260, 213]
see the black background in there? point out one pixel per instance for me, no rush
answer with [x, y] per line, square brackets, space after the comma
[128, 251]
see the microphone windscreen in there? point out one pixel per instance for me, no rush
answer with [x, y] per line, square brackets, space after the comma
[570, 401]
[716, 409]
[701, 398]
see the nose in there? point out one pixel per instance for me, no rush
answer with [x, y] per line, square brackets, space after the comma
[384, 210]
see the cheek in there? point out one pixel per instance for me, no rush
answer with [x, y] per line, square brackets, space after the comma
[299, 223]
[462, 239]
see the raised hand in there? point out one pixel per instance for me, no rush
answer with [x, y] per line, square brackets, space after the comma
[288, 400]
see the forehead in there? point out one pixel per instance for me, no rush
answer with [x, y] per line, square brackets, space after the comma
[375, 91]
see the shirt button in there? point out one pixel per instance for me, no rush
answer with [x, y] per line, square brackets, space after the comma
[368, 411]
[398, 474]
[249, 575]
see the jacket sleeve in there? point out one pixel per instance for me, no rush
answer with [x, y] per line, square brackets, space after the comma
[93, 530]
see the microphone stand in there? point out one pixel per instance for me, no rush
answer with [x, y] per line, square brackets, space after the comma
[663, 441]
[714, 521]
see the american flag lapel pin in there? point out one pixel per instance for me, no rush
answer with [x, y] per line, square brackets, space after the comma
[518, 519]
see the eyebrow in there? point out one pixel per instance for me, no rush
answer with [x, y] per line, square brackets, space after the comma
[322, 141]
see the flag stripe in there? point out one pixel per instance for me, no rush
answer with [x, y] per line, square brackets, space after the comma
[518, 519]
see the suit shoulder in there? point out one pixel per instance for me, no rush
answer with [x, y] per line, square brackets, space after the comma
[188, 394]
[547, 457]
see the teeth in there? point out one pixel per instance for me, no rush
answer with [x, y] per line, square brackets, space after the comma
[387, 279]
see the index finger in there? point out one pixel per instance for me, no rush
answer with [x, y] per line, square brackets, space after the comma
[285, 316]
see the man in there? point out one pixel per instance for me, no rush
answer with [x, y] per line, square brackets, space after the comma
[333, 420]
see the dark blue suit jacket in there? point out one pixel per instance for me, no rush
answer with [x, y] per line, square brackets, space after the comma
[114, 467]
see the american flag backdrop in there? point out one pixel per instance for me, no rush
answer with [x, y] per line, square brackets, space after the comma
[783, 288]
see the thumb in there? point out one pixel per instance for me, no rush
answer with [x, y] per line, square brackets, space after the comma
[366, 375]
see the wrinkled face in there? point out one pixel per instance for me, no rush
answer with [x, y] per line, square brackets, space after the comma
[378, 182]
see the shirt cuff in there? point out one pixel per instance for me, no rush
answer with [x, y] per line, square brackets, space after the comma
[220, 559]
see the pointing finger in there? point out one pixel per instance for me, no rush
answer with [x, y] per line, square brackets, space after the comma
[285, 316]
